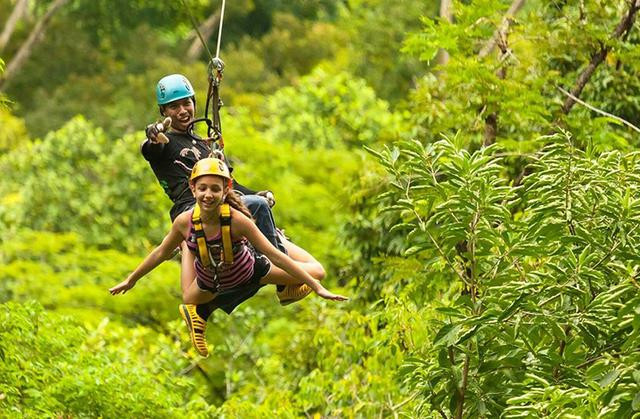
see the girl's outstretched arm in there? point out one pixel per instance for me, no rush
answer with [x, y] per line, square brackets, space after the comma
[155, 258]
[247, 228]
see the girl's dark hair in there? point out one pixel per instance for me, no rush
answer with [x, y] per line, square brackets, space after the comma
[233, 199]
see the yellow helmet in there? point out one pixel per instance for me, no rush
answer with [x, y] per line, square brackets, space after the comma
[210, 166]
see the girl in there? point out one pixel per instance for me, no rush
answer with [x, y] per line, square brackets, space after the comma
[210, 183]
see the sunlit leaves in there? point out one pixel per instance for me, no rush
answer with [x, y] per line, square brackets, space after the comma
[332, 111]
[77, 179]
[517, 83]
[546, 274]
[54, 365]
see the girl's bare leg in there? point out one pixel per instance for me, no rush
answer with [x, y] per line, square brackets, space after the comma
[187, 270]
[305, 260]
[279, 276]
[195, 295]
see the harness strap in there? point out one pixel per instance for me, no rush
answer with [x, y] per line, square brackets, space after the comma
[200, 237]
[225, 225]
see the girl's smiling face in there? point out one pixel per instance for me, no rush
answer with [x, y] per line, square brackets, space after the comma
[209, 191]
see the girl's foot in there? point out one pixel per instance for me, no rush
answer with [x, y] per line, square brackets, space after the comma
[196, 325]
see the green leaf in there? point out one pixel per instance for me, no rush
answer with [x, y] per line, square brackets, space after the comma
[537, 378]
[415, 249]
[512, 307]
[596, 370]
[450, 311]
[447, 334]
[608, 378]
[468, 334]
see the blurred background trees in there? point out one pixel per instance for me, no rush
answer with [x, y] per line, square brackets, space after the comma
[482, 221]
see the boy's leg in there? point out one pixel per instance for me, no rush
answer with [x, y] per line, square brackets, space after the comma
[263, 217]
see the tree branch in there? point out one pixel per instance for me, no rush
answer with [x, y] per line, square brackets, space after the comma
[563, 345]
[442, 413]
[623, 27]
[499, 38]
[405, 401]
[504, 27]
[18, 11]
[446, 14]
[25, 50]
[491, 121]
[601, 112]
[206, 29]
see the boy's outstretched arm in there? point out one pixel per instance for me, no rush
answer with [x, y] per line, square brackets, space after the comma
[153, 259]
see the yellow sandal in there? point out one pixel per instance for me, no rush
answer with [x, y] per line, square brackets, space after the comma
[292, 293]
[197, 326]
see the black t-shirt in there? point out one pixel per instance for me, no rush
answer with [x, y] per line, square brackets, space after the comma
[172, 164]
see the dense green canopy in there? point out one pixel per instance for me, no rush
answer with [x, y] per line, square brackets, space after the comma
[466, 171]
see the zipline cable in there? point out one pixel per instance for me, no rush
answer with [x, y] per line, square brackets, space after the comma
[220, 29]
[216, 68]
[195, 27]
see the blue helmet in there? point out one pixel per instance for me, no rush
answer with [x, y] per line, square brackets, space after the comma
[173, 87]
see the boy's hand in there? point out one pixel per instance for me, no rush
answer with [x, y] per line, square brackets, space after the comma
[154, 132]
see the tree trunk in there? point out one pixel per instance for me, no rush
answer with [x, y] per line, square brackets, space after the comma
[491, 121]
[27, 47]
[18, 11]
[490, 129]
[499, 38]
[463, 388]
[446, 13]
[206, 29]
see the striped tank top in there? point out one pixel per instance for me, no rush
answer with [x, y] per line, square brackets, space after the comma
[229, 276]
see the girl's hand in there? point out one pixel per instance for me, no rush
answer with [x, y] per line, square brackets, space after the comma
[122, 287]
[325, 293]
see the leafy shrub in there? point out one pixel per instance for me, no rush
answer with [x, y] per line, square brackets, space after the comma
[54, 366]
[329, 110]
[79, 180]
[546, 273]
[64, 273]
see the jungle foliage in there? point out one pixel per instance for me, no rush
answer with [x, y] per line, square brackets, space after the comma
[484, 223]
